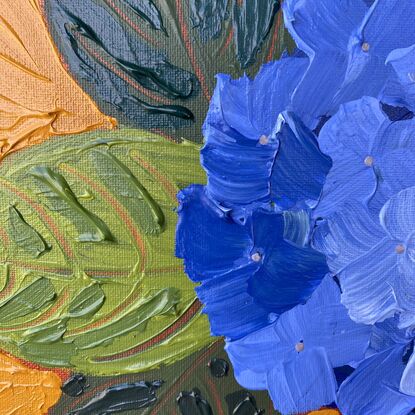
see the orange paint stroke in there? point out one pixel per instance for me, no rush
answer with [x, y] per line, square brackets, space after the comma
[190, 51]
[47, 219]
[38, 98]
[274, 37]
[11, 283]
[25, 391]
[325, 412]
[227, 42]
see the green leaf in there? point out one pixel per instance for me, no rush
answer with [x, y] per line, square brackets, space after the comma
[156, 67]
[24, 235]
[104, 307]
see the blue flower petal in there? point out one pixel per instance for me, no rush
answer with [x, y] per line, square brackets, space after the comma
[407, 384]
[321, 324]
[367, 284]
[400, 87]
[288, 274]
[253, 356]
[348, 139]
[346, 234]
[373, 388]
[303, 383]
[240, 131]
[393, 157]
[209, 243]
[300, 168]
[387, 334]
[322, 25]
[398, 214]
[355, 40]
[231, 310]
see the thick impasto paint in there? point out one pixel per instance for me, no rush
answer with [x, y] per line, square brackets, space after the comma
[207, 207]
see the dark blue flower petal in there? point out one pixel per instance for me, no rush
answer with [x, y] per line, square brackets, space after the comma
[209, 243]
[373, 388]
[289, 274]
[300, 168]
[231, 310]
[240, 131]
[303, 383]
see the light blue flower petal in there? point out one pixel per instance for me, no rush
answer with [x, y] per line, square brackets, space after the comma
[404, 286]
[300, 168]
[366, 284]
[393, 158]
[302, 383]
[251, 370]
[345, 235]
[373, 388]
[240, 132]
[348, 138]
[400, 87]
[322, 25]
[288, 274]
[407, 384]
[323, 322]
[398, 214]
[356, 42]
[206, 239]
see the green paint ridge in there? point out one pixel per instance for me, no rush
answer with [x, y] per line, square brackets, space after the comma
[59, 188]
[24, 235]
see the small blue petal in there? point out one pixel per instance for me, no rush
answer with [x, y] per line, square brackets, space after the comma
[239, 130]
[303, 383]
[398, 215]
[289, 274]
[373, 388]
[209, 243]
[300, 168]
[322, 25]
[367, 284]
[232, 312]
[407, 384]
[348, 138]
[400, 87]
[346, 234]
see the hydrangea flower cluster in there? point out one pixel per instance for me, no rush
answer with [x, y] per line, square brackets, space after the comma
[303, 239]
